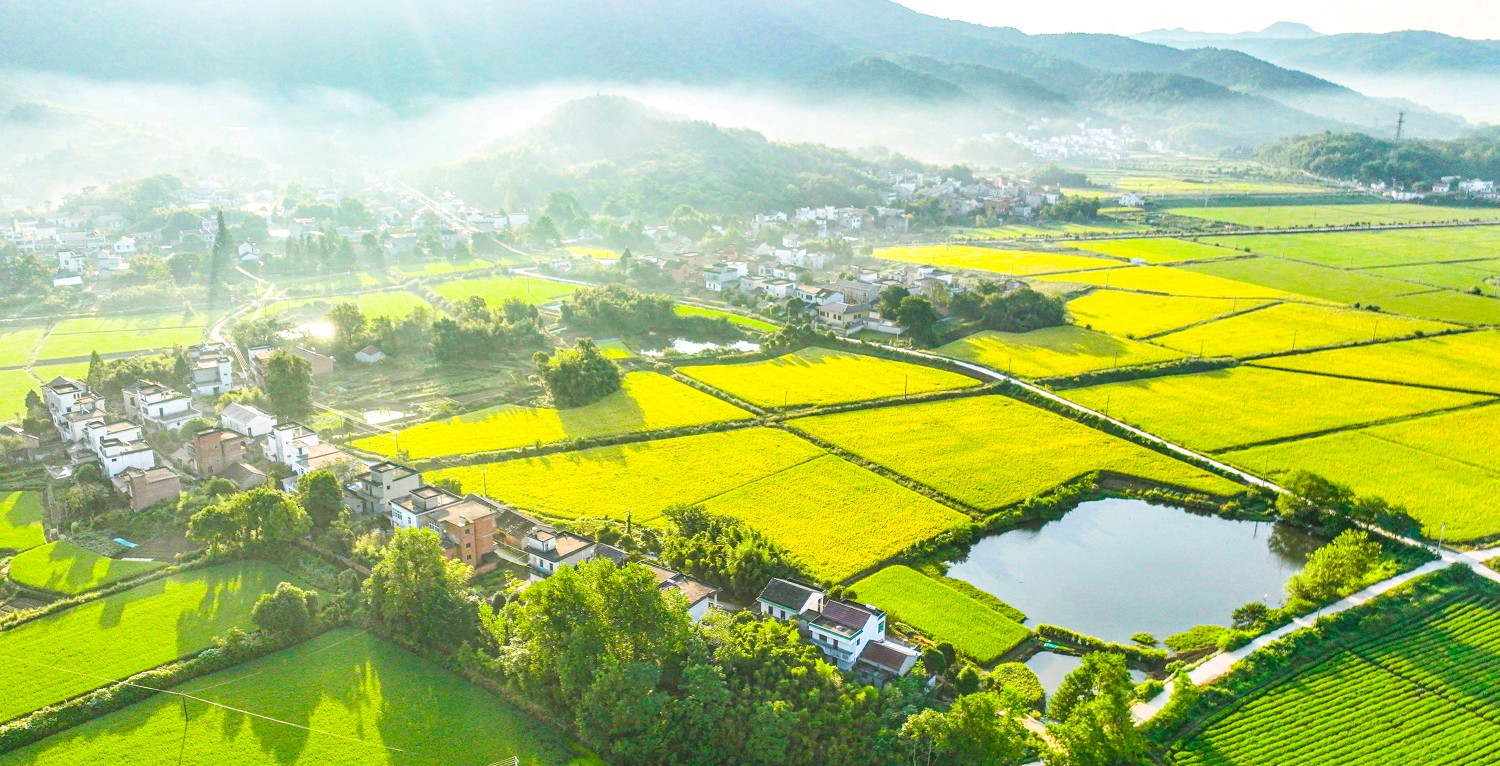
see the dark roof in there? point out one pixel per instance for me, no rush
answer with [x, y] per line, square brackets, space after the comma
[787, 594]
[883, 655]
[603, 550]
[845, 614]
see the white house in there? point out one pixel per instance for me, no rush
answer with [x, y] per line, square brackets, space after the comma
[700, 596]
[73, 281]
[153, 404]
[71, 404]
[124, 246]
[299, 448]
[69, 262]
[119, 445]
[213, 369]
[844, 631]
[1131, 199]
[247, 420]
[369, 355]
[721, 278]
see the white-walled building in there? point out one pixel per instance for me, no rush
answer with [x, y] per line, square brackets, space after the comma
[246, 420]
[152, 404]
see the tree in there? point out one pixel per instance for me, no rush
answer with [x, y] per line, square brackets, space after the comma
[223, 253]
[919, 318]
[1337, 569]
[419, 594]
[288, 385]
[322, 498]
[260, 517]
[889, 301]
[1308, 496]
[979, 730]
[1093, 705]
[934, 661]
[349, 325]
[579, 375]
[289, 609]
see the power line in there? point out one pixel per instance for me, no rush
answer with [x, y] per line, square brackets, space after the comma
[185, 697]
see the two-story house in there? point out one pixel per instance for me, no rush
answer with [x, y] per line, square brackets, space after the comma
[700, 596]
[246, 420]
[157, 406]
[850, 635]
[71, 404]
[119, 445]
[212, 451]
[373, 491]
[212, 369]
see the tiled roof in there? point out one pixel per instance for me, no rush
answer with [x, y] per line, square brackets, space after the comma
[884, 655]
[786, 593]
[846, 614]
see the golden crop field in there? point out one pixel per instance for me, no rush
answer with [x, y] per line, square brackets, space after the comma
[646, 401]
[1142, 315]
[1287, 327]
[1157, 249]
[1009, 262]
[1466, 360]
[1241, 406]
[1295, 216]
[1166, 280]
[817, 376]
[642, 478]
[1436, 489]
[992, 451]
[1469, 436]
[1054, 351]
[837, 518]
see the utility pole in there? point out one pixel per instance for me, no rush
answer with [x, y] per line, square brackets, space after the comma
[1400, 123]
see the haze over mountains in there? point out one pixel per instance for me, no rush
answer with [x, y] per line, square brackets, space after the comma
[393, 84]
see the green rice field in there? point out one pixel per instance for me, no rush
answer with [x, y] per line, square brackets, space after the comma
[1465, 276]
[14, 385]
[75, 338]
[66, 568]
[1368, 249]
[1250, 405]
[819, 376]
[1296, 216]
[123, 634]
[1055, 351]
[386, 303]
[743, 321]
[1025, 450]
[1469, 361]
[941, 612]
[1287, 327]
[496, 290]
[994, 260]
[646, 401]
[17, 343]
[361, 700]
[21, 521]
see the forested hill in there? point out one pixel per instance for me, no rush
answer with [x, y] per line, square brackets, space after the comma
[1358, 157]
[408, 51]
[618, 156]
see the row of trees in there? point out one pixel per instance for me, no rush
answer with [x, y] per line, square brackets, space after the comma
[477, 329]
[1360, 157]
[579, 375]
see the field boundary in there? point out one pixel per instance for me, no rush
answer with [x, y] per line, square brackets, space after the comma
[1406, 383]
[1355, 426]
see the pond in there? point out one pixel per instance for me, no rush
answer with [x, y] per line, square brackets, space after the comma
[381, 417]
[1051, 668]
[685, 346]
[1112, 568]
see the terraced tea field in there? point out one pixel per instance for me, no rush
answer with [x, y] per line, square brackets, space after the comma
[994, 260]
[818, 376]
[1298, 216]
[992, 451]
[1287, 327]
[941, 612]
[646, 401]
[1250, 405]
[66, 568]
[1469, 361]
[837, 518]
[1141, 315]
[363, 701]
[642, 478]
[126, 633]
[21, 521]
[1055, 351]
[1427, 690]
[1157, 249]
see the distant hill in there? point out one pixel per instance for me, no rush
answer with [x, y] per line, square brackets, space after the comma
[619, 156]
[1358, 157]
[1281, 30]
[409, 52]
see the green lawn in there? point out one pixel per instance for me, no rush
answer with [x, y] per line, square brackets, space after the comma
[1288, 327]
[1296, 216]
[819, 376]
[21, 521]
[1055, 351]
[126, 633]
[837, 518]
[496, 290]
[647, 401]
[640, 479]
[993, 451]
[744, 321]
[362, 698]
[1466, 360]
[1241, 406]
[941, 612]
[63, 567]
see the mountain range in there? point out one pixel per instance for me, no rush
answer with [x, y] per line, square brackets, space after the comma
[820, 53]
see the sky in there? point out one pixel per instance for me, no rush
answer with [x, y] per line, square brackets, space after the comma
[1461, 18]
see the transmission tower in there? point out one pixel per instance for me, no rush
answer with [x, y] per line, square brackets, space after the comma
[1400, 123]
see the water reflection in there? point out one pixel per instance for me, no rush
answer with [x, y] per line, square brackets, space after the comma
[1112, 568]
